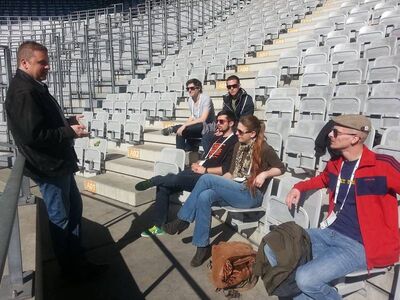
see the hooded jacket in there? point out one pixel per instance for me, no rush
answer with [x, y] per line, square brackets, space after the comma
[39, 128]
[244, 104]
[376, 184]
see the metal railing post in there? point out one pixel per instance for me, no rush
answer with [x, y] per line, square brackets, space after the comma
[132, 42]
[165, 26]
[86, 28]
[202, 18]
[191, 22]
[179, 24]
[111, 49]
[59, 70]
[149, 32]
[9, 74]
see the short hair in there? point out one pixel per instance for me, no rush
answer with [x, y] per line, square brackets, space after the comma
[196, 83]
[26, 49]
[229, 115]
[233, 77]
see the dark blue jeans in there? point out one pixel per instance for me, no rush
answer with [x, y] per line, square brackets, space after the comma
[189, 136]
[168, 185]
[64, 207]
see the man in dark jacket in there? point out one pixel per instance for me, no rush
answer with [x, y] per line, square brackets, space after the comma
[237, 100]
[45, 137]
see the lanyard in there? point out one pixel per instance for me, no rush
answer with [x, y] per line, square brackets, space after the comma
[350, 181]
[219, 146]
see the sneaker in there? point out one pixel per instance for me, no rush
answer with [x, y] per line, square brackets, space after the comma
[155, 230]
[176, 226]
[144, 185]
[202, 254]
[167, 131]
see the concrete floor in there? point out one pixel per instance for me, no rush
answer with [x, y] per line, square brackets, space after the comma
[140, 268]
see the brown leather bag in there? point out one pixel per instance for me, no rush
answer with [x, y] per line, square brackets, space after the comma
[232, 265]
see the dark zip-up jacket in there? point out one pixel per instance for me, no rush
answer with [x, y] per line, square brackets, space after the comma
[39, 128]
[244, 104]
[292, 247]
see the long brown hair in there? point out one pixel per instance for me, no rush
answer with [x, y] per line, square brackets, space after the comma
[252, 123]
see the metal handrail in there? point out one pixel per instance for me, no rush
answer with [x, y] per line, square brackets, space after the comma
[8, 208]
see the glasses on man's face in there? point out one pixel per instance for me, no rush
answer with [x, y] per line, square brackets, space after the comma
[191, 88]
[241, 132]
[337, 132]
[232, 86]
[221, 121]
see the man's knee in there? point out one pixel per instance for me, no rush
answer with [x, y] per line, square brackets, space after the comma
[305, 279]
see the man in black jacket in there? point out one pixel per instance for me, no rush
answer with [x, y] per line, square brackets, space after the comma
[45, 137]
[237, 100]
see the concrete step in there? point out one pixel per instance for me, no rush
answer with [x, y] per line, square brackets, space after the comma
[156, 136]
[148, 151]
[130, 167]
[119, 187]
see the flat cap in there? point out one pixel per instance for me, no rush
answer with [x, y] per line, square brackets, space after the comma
[357, 122]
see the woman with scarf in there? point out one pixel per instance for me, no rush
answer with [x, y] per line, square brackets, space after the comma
[253, 165]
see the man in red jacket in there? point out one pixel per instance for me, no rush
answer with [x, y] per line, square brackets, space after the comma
[361, 230]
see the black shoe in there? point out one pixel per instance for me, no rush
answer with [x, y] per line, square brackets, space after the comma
[167, 131]
[202, 254]
[144, 185]
[176, 226]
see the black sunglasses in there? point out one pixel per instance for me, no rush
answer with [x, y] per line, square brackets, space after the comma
[241, 132]
[336, 132]
[191, 88]
[221, 121]
[232, 86]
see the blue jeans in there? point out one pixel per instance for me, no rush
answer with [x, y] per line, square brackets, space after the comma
[64, 208]
[168, 185]
[214, 190]
[334, 256]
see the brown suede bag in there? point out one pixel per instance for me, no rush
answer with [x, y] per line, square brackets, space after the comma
[232, 265]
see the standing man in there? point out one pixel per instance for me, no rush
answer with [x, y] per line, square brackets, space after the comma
[216, 161]
[45, 137]
[361, 231]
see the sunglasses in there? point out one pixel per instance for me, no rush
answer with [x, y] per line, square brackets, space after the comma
[336, 133]
[191, 88]
[241, 132]
[232, 86]
[221, 121]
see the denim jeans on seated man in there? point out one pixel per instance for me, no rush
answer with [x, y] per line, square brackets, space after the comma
[168, 185]
[314, 278]
[208, 192]
[64, 207]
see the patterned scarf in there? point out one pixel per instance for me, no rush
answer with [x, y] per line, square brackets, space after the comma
[243, 160]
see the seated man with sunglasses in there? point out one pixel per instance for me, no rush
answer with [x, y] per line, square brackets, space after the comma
[216, 161]
[201, 120]
[361, 231]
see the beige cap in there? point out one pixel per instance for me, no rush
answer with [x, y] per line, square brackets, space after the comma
[357, 122]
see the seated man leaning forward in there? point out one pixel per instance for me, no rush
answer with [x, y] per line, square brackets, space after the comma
[217, 161]
[361, 231]
[253, 164]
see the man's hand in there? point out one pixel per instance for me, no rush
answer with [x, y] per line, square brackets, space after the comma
[80, 131]
[292, 197]
[260, 179]
[198, 168]
[180, 130]
[79, 118]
